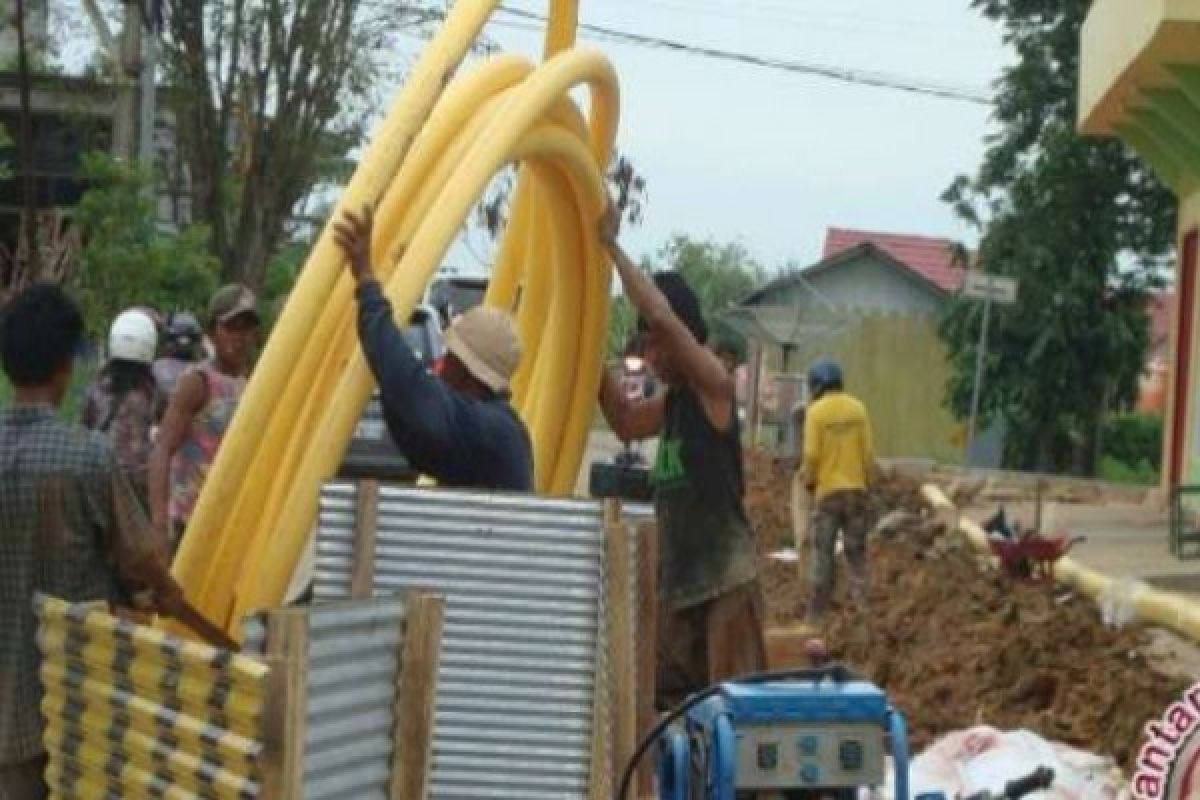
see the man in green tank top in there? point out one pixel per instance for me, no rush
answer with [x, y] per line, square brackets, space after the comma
[710, 622]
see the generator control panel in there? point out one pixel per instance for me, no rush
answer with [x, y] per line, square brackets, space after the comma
[798, 756]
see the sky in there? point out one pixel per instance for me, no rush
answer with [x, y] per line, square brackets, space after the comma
[770, 158]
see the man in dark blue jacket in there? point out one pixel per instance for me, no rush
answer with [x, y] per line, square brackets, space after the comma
[458, 427]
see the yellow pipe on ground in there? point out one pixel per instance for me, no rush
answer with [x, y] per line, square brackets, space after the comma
[1153, 606]
[444, 143]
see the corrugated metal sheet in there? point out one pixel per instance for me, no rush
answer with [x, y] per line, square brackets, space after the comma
[352, 668]
[133, 712]
[523, 582]
[354, 654]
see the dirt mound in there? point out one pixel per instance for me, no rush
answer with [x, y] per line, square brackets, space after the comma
[768, 503]
[957, 644]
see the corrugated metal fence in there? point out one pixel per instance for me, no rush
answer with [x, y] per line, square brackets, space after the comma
[351, 661]
[133, 712]
[523, 579]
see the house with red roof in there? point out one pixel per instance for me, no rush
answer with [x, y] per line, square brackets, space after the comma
[870, 271]
[872, 302]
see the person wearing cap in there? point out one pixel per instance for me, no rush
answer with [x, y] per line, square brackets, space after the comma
[199, 412]
[838, 465]
[459, 426]
[125, 402]
[181, 348]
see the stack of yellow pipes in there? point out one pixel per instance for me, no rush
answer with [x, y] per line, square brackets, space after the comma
[431, 160]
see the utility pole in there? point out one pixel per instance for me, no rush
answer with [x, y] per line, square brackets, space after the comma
[978, 387]
[128, 68]
[148, 109]
[33, 267]
[990, 289]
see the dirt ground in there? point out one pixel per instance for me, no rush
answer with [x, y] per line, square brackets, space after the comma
[956, 644]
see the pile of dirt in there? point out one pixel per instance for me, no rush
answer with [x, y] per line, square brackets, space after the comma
[956, 644]
[768, 503]
[898, 491]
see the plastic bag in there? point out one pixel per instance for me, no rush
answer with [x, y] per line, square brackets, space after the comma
[985, 759]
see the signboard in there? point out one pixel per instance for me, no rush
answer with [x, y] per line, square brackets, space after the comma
[996, 287]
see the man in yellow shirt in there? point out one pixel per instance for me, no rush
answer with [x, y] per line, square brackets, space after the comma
[838, 462]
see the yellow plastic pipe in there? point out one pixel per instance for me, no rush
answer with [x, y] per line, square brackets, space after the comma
[420, 262]
[448, 142]
[312, 291]
[1153, 606]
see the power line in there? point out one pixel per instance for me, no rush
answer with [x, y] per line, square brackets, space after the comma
[880, 80]
[810, 18]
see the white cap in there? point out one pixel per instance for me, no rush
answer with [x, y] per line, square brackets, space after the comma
[133, 337]
[485, 340]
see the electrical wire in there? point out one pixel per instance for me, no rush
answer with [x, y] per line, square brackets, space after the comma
[532, 22]
[880, 80]
[838, 673]
[809, 18]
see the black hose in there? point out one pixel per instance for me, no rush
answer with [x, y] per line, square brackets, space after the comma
[836, 672]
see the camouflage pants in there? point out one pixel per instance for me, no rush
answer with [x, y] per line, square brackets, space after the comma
[848, 512]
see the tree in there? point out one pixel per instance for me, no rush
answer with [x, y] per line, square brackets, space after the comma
[126, 260]
[1083, 225]
[721, 275]
[266, 92]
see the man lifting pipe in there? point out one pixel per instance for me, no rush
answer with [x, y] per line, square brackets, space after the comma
[711, 615]
[458, 427]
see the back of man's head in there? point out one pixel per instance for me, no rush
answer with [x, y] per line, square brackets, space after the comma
[684, 303]
[41, 330]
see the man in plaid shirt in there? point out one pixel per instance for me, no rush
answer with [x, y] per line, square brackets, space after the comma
[69, 523]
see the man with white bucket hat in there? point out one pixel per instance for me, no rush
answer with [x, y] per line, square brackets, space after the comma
[458, 426]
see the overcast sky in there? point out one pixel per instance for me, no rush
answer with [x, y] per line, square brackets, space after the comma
[772, 158]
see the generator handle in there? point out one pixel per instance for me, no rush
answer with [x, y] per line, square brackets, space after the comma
[725, 758]
[898, 732]
[838, 673]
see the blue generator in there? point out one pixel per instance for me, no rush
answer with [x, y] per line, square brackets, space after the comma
[823, 733]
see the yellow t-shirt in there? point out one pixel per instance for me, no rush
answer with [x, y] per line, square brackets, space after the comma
[838, 453]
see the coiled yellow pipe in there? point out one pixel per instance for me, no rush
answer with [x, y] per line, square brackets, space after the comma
[429, 163]
[1171, 610]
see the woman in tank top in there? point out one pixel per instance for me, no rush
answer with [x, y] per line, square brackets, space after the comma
[201, 409]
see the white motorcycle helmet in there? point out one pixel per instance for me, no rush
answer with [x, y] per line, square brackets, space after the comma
[133, 337]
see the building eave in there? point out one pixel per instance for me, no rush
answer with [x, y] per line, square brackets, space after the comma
[1140, 80]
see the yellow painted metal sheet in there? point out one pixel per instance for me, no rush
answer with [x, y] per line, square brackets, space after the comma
[172, 766]
[132, 712]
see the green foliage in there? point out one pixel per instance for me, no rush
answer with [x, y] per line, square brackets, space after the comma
[1083, 225]
[81, 378]
[282, 273]
[1116, 471]
[126, 260]
[7, 152]
[1134, 438]
[720, 274]
[271, 97]
[621, 323]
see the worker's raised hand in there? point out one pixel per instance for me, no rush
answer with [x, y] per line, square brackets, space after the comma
[353, 235]
[610, 225]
